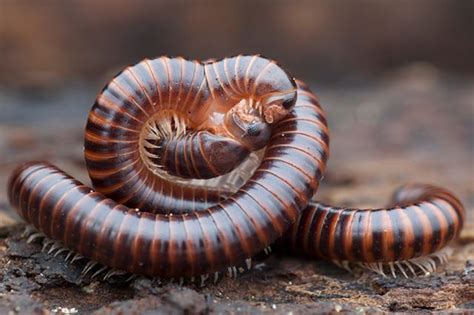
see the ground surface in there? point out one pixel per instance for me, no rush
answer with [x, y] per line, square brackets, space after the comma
[414, 125]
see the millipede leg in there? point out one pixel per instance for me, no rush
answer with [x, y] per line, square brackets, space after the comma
[400, 267]
[76, 257]
[46, 244]
[91, 264]
[98, 272]
[34, 237]
[392, 269]
[248, 263]
[203, 280]
[56, 246]
[29, 230]
[113, 272]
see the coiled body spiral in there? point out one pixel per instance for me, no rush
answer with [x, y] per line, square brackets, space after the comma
[168, 118]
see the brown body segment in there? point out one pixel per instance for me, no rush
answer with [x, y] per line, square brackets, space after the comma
[425, 218]
[199, 155]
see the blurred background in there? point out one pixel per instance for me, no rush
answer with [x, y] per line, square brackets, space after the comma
[396, 77]
[50, 43]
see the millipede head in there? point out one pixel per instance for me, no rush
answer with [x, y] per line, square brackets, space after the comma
[276, 106]
[245, 123]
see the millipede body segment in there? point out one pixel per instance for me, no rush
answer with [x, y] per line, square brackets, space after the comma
[162, 123]
[423, 220]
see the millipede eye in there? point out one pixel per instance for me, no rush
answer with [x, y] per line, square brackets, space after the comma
[256, 135]
[254, 130]
[287, 104]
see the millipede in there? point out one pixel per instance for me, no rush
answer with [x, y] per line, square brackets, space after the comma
[199, 166]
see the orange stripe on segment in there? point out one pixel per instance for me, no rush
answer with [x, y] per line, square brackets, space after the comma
[314, 121]
[236, 71]
[387, 238]
[367, 239]
[41, 206]
[261, 235]
[321, 142]
[307, 230]
[128, 96]
[427, 230]
[155, 247]
[105, 225]
[291, 165]
[265, 68]
[104, 101]
[313, 106]
[229, 79]
[116, 244]
[22, 192]
[136, 249]
[308, 93]
[190, 250]
[332, 234]
[101, 139]
[112, 188]
[286, 205]
[226, 91]
[165, 62]
[54, 215]
[94, 156]
[106, 173]
[347, 236]
[318, 233]
[33, 193]
[229, 253]
[69, 218]
[454, 215]
[131, 194]
[155, 79]
[199, 91]
[316, 159]
[144, 198]
[245, 243]
[280, 228]
[287, 183]
[454, 202]
[85, 224]
[443, 223]
[193, 161]
[100, 120]
[408, 247]
[185, 101]
[182, 64]
[142, 87]
[188, 167]
[203, 154]
[247, 73]
[207, 242]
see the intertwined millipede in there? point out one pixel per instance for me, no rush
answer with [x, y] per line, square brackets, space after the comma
[163, 121]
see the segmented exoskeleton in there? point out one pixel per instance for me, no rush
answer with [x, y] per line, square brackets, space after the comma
[163, 121]
[411, 236]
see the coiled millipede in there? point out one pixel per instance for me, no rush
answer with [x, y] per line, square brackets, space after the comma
[168, 147]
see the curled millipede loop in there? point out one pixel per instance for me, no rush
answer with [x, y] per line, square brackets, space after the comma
[195, 243]
[169, 145]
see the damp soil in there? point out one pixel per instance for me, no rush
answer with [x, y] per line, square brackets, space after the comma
[414, 125]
